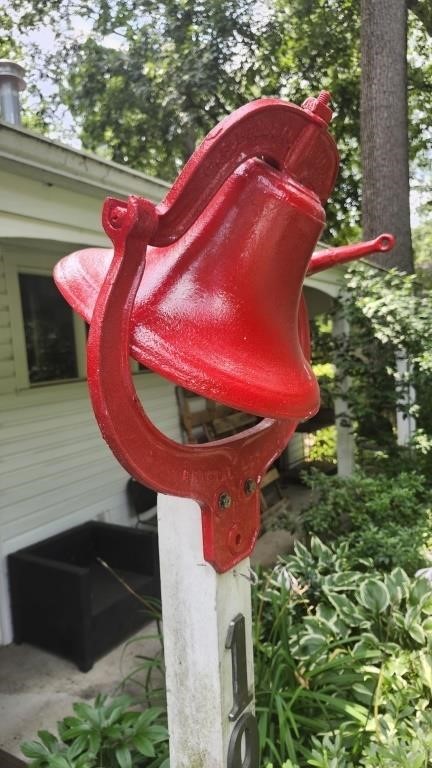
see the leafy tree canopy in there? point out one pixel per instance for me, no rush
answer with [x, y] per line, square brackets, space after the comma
[144, 80]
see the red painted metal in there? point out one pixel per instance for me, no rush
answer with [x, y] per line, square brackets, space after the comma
[290, 138]
[218, 311]
[330, 257]
[216, 305]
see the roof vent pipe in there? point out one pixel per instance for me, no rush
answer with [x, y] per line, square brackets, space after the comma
[11, 83]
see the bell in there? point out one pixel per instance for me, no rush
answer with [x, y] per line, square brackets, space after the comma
[220, 310]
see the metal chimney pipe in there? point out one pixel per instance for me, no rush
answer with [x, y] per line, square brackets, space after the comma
[11, 83]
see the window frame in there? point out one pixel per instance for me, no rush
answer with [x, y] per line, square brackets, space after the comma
[17, 263]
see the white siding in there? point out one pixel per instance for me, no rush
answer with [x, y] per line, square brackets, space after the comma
[7, 368]
[55, 469]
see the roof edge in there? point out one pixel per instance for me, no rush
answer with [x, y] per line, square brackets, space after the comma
[25, 148]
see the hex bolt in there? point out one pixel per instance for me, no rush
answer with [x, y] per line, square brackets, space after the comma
[319, 106]
[324, 97]
[225, 500]
[250, 486]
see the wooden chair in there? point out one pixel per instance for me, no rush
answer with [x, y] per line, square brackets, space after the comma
[202, 420]
[196, 415]
[273, 503]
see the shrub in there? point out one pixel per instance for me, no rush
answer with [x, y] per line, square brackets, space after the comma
[383, 518]
[323, 445]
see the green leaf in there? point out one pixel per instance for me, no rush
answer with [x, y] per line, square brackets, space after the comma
[419, 592]
[417, 633]
[68, 734]
[320, 551]
[114, 715]
[426, 667]
[374, 595]
[144, 746]
[87, 760]
[77, 746]
[33, 750]
[123, 757]
[364, 694]
[148, 716]
[156, 732]
[311, 644]
[48, 739]
[395, 591]
[58, 761]
[120, 703]
[94, 742]
[87, 713]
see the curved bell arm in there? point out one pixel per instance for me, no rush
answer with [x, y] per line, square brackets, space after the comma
[223, 476]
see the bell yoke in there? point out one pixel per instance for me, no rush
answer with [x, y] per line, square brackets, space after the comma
[206, 290]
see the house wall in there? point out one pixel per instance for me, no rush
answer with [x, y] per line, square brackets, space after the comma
[34, 209]
[55, 469]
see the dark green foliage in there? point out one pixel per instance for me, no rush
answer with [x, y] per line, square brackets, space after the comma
[180, 68]
[384, 518]
[391, 544]
[146, 80]
[422, 244]
[315, 45]
[390, 315]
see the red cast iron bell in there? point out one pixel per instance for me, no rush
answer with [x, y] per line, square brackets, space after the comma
[206, 289]
[217, 310]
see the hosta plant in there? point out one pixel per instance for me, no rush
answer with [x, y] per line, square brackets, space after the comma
[343, 660]
[108, 734]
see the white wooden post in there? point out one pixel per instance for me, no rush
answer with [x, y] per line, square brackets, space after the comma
[210, 704]
[344, 430]
[405, 423]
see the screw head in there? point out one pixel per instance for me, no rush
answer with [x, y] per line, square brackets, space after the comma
[225, 500]
[250, 486]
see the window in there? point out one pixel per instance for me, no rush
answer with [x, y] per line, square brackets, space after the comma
[49, 339]
[48, 330]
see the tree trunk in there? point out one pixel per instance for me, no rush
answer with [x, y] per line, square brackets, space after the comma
[384, 128]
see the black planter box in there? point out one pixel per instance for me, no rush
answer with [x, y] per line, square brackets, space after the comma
[65, 601]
